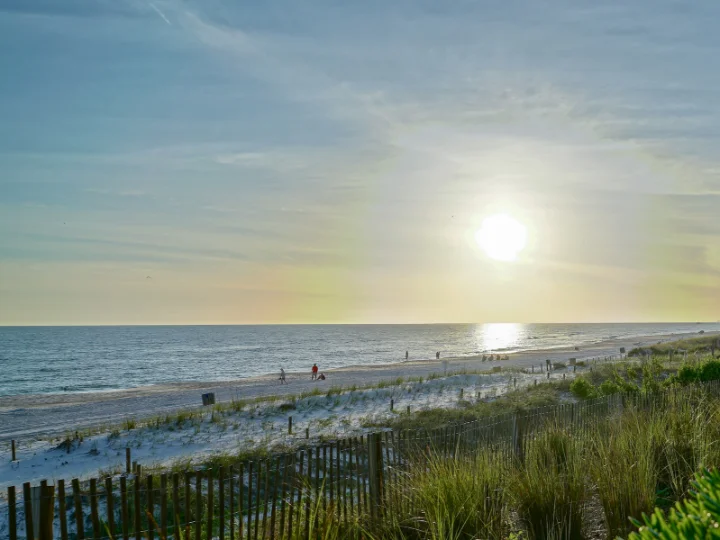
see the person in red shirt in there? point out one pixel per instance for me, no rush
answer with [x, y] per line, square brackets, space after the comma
[314, 372]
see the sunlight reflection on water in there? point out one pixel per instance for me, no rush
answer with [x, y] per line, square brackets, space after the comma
[499, 336]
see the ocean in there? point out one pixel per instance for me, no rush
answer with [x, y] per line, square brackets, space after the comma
[40, 360]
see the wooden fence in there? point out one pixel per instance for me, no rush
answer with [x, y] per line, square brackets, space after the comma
[292, 495]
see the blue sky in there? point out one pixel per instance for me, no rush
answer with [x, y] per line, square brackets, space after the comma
[313, 161]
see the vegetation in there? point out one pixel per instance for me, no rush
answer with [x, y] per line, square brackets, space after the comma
[696, 517]
[703, 344]
[549, 488]
[625, 466]
[514, 401]
[458, 498]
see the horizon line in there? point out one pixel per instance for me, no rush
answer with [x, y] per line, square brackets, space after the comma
[119, 325]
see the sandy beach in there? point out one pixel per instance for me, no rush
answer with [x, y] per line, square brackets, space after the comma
[38, 422]
[32, 416]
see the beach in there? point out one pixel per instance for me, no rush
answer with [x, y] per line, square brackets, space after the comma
[30, 416]
[39, 423]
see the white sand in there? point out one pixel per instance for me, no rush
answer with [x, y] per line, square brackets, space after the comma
[34, 420]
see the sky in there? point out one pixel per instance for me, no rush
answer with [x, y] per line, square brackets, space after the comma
[309, 161]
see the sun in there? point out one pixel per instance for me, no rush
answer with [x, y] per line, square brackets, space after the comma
[502, 237]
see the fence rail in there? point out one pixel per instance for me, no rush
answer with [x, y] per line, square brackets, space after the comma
[287, 495]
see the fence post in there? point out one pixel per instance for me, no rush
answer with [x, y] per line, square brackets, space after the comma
[289, 425]
[376, 472]
[94, 516]
[109, 507]
[27, 496]
[14, 458]
[127, 460]
[12, 514]
[518, 434]
[77, 500]
[47, 512]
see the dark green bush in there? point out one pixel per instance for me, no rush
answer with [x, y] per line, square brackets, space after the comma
[583, 388]
[609, 387]
[709, 371]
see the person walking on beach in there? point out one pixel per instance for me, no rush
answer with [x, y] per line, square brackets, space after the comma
[437, 355]
[314, 372]
[407, 355]
[282, 376]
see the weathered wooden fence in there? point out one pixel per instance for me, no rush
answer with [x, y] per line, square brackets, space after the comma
[292, 495]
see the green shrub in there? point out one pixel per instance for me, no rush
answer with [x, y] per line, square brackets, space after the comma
[697, 517]
[705, 372]
[609, 387]
[710, 371]
[583, 388]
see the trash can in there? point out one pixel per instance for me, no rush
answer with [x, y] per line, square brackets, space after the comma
[209, 398]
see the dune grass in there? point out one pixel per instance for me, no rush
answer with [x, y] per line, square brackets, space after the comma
[623, 468]
[549, 489]
[700, 344]
[460, 498]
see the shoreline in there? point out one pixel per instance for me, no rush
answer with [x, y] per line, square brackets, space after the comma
[35, 415]
[190, 433]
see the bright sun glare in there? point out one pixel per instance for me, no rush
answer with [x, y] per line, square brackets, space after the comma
[502, 237]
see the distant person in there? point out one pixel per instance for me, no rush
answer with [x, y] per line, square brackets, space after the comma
[407, 355]
[437, 355]
[314, 372]
[321, 377]
[282, 376]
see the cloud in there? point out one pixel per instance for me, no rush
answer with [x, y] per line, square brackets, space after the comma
[160, 13]
[331, 140]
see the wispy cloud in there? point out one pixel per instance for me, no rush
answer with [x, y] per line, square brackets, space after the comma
[160, 13]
